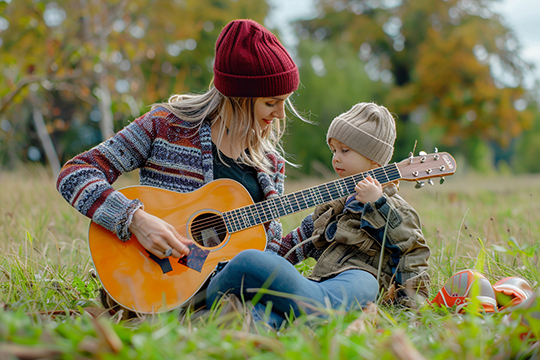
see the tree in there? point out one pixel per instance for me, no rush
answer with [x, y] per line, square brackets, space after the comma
[108, 59]
[332, 80]
[443, 59]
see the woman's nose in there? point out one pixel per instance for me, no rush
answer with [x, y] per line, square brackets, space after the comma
[280, 110]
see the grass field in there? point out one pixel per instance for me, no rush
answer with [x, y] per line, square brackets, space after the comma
[47, 293]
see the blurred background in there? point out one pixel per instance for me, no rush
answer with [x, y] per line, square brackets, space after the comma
[459, 75]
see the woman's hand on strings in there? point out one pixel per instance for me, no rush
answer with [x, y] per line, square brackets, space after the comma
[157, 236]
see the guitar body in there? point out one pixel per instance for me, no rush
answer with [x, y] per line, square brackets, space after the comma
[138, 282]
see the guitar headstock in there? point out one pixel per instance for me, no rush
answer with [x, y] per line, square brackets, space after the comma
[427, 166]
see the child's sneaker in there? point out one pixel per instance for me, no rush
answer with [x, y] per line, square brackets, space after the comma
[511, 291]
[458, 291]
[522, 315]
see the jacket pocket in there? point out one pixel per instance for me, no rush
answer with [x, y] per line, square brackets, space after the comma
[366, 246]
[361, 252]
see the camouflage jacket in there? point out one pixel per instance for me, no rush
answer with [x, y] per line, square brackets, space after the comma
[349, 235]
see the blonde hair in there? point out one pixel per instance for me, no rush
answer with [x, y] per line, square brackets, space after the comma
[243, 127]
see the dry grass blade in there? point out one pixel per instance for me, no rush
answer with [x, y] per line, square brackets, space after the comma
[106, 332]
[96, 312]
[261, 342]
[24, 352]
[368, 317]
[402, 347]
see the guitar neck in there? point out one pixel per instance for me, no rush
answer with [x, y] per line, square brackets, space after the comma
[264, 211]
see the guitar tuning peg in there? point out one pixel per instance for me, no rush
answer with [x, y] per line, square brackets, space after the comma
[422, 153]
[442, 180]
[430, 182]
[436, 150]
[419, 185]
[411, 156]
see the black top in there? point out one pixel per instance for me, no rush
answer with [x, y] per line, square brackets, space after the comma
[245, 175]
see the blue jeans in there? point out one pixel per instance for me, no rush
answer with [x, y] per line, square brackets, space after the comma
[286, 288]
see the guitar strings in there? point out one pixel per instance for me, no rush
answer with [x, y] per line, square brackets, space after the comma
[238, 221]
[216, 219]
[240, 215]
[237, 216]
[336, 192]
[218, 223]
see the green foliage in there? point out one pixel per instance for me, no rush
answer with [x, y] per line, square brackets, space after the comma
[433, 57]
[525, 158]
[337, 83]
[479, 155]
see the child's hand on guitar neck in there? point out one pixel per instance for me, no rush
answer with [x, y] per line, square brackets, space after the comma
[158, 236]
[368, 190]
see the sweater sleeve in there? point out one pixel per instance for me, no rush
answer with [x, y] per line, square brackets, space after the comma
[273, 185]
[282, 246]
[86, 180]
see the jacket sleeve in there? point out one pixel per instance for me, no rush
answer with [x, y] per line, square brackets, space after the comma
[404, 240]
[86, 180]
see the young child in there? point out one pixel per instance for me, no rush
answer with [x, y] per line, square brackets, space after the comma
[345, 236]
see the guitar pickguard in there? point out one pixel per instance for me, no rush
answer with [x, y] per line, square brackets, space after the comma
[195, 259]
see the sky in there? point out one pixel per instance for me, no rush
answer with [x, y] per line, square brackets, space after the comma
[521, 16]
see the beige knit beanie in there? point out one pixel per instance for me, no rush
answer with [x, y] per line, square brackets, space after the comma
[369, 129]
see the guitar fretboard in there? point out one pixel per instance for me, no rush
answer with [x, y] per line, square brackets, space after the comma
[264, 211]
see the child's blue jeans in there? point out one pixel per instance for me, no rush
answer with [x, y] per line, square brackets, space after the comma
[252, 270]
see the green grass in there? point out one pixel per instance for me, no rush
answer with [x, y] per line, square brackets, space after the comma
[47, 292]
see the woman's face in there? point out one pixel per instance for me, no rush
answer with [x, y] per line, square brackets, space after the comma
[268, 109]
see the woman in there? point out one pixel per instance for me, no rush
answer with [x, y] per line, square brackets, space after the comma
[233, 130]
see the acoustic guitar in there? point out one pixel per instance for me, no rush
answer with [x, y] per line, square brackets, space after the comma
[222, 220]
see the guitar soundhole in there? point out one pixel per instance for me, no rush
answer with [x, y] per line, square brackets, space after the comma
[208, 229]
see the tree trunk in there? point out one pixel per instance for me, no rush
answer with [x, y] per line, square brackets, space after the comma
[45, 139]
[105, 105]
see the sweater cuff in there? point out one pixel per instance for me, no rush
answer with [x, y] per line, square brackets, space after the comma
[274, 233]
[123, 224]
[116, 214]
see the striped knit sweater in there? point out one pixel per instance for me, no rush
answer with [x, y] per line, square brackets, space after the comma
[171, 154]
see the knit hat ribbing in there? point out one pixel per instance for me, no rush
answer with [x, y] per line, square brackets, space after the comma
[251, 62]
[369, 129]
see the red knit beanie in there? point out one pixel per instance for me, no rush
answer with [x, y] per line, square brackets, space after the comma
[251, 62]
